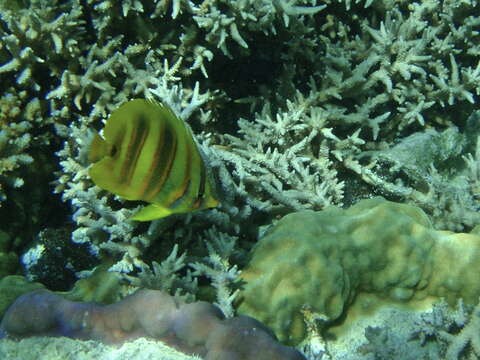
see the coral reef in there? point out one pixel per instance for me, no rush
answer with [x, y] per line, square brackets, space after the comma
[339, 95]
[193, 328]
[294, 104]
[376, 252]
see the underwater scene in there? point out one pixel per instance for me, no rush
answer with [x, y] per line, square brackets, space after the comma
[240, 179]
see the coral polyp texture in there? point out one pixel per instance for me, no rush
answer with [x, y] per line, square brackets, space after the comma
[196, 328]
[356, 260]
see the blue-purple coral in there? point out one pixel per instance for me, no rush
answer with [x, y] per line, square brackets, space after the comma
[195, 328]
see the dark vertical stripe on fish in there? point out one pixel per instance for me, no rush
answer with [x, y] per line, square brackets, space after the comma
[161, 164]
[201, 187]
[135, 146]
[178, 201]
[128, 137]
[184, 187]
[119, 144]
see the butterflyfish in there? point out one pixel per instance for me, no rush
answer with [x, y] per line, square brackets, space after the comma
[147, 153]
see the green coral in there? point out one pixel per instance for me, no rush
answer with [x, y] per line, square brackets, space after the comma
[101, 287]
[13, 286]
[376, 252]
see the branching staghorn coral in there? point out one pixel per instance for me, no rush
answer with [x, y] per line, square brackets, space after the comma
[441, 168]
[14, 141]
[456, 330]
[282, 168]
[373, 83]
[22, 59]
[247, 16]
[164, 276]
[217, 268]
[394, 70]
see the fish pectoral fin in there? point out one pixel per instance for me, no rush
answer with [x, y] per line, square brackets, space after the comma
[151, 212]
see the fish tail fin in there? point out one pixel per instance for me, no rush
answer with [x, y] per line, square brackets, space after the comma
[99, 148]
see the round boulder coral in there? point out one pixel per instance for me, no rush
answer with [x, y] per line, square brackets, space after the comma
[331, 260]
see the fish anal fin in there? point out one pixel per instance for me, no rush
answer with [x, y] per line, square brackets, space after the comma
[211, 202]
[151, 212]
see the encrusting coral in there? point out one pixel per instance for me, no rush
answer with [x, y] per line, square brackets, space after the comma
[374, 253]
[192, 328]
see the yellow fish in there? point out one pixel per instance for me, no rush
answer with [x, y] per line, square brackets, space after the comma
[149, 154]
